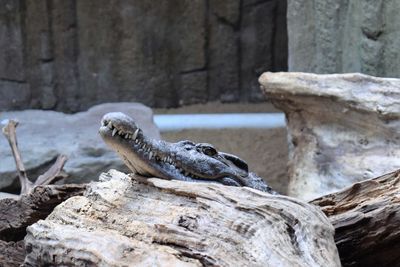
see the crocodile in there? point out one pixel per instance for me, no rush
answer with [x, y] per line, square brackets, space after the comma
[183, 160]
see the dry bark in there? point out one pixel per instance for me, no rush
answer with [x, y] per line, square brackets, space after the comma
[120, 221]
[12, 253]
[366, 217]
[17, 214]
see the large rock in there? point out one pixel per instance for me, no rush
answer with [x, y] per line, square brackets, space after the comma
[331, 36]
[343, 128]
[120, 222]
[61, 56]
[42, 135]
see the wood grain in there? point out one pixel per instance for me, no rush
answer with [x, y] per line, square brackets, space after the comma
[366, 217]
[135, 221]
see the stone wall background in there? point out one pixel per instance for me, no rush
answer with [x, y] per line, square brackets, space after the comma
[71, 54]
[337, 36]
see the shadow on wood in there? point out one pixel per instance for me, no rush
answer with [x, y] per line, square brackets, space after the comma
[366, 217]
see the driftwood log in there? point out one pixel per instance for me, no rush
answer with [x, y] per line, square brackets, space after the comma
[120, 222]
[36, 201]
[171, 222]
[366, 217]
[17, 214]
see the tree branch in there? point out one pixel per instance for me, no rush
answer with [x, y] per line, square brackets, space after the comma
[9, 130]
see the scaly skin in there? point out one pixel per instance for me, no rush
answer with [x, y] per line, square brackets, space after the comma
[183, 160]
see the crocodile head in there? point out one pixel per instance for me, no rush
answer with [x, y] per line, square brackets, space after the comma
[183, 160]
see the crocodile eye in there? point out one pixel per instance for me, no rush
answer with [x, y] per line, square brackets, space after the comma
[209, 151]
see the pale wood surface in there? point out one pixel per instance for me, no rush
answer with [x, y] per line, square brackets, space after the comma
[171, 223]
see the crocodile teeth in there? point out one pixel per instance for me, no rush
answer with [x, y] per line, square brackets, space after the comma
[110, 126]
[150, 155]
[114, 131]
[120, 132]
[135, 134]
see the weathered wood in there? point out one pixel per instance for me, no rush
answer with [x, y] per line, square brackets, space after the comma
[52, 175]
[366, 217]
[17, 214]
[9, 131]
[12, 253]
[120, 222]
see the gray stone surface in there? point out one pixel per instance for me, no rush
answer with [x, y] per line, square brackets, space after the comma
[257, 28]
[69, 55]
[342, 128]
[42, 135]
[336, 36]
[11, 43]
[224, 45]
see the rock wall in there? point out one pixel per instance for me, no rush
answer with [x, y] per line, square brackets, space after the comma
[337, 36]
[69, 55]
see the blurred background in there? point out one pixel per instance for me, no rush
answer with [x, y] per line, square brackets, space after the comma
[68, 55]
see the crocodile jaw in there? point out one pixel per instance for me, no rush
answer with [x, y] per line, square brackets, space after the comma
[144, 156]
[122, 134]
